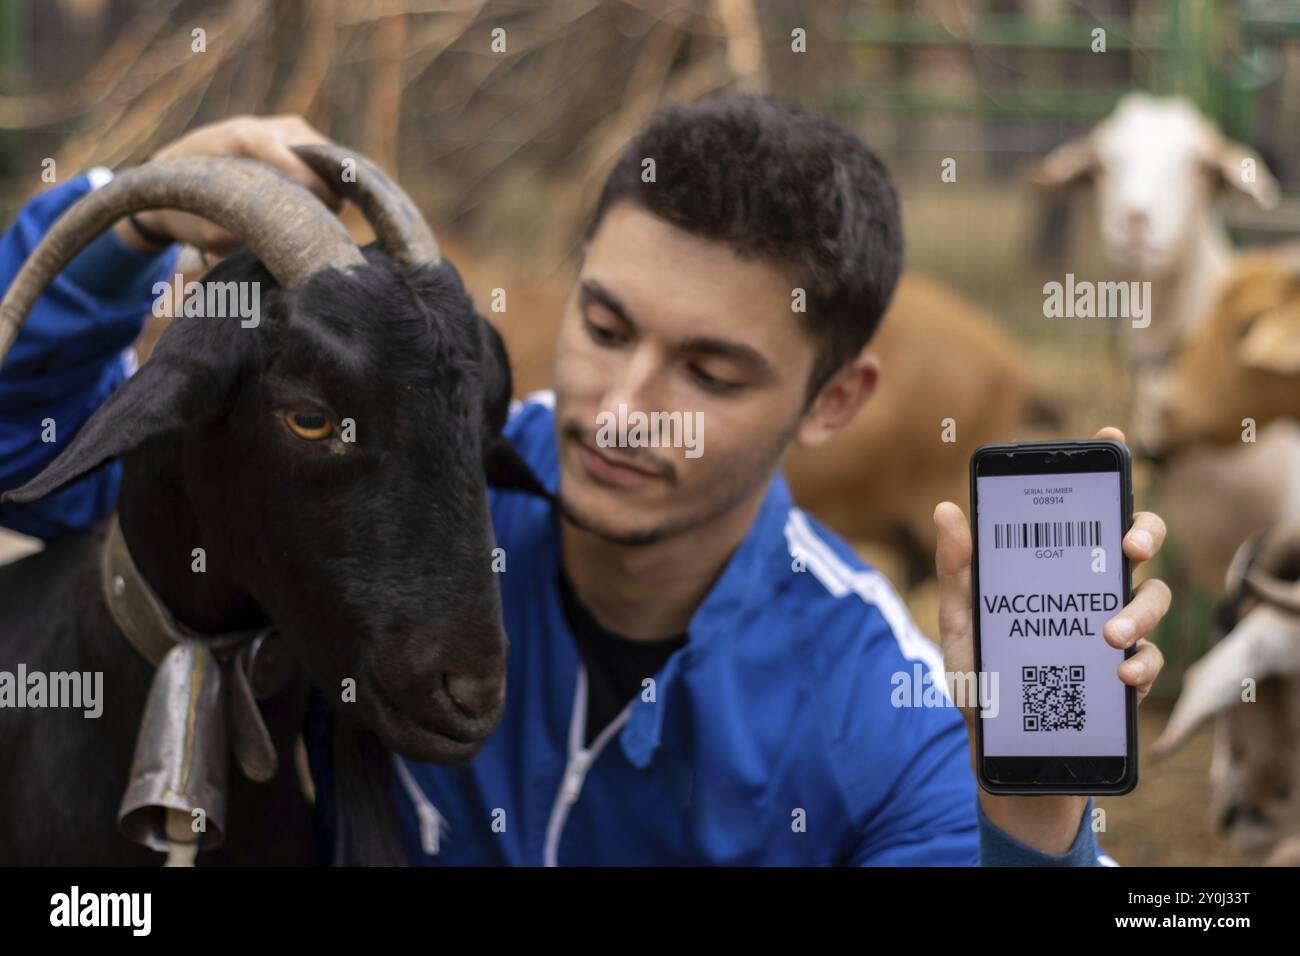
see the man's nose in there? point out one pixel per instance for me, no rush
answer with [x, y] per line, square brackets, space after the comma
[638, 383]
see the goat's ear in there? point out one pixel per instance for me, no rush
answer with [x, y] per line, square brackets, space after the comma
[187, 381]
[497, 381]
[1244, 170]
[1272, 343]
[1065, 165]
[506, 469]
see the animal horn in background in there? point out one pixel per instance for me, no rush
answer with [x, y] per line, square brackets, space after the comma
[400, 228]
[1263, 642]
[1242, 559]
[1263, 576]
[289, 229]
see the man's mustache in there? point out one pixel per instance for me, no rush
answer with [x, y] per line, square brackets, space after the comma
[633, 457]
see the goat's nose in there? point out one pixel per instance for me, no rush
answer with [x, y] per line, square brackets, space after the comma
[474, 694]
[1138, 222]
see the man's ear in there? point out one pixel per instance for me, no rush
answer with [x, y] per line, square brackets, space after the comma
[187, 381]
[839, 400]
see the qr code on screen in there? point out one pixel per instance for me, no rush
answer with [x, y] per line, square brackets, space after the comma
[1053, 697]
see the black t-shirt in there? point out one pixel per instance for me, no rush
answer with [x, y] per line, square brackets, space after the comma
[616, 665]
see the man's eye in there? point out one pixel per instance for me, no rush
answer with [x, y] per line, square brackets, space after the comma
[711, 382]
[601, 334]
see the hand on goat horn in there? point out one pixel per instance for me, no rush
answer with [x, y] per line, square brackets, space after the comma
[267, 139]
[286, 227]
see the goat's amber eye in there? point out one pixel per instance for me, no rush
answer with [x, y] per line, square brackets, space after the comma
[309, 425]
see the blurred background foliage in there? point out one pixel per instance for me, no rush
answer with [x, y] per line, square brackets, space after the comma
[510, 146]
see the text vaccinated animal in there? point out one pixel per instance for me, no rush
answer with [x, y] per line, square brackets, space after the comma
[303, 499]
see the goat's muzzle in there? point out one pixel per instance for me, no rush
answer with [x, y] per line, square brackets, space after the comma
[444, 702]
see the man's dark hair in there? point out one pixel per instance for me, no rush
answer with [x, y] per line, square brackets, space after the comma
[774, 180]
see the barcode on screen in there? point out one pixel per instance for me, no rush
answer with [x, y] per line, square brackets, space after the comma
[1046, 534]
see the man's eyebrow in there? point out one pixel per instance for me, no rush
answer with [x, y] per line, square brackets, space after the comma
[592, 291]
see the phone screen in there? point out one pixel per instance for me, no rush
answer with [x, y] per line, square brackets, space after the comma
[1051, 573]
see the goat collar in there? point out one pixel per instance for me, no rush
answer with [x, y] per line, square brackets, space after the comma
[139, 613]
[202, 709]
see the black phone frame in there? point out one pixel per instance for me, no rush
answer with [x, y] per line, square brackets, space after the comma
[1080, 775]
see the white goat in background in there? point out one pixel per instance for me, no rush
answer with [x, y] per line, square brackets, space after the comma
[1157, 167]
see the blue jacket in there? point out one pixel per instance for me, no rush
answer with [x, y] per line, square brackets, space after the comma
[770, 738]
[68, 358]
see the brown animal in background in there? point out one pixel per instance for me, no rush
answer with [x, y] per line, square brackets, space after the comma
[941, 358]
[880, 478]
[1242, 362]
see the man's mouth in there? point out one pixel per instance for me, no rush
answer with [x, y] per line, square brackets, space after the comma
[608, 470]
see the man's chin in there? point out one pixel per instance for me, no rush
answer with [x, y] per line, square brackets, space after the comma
[605, 523]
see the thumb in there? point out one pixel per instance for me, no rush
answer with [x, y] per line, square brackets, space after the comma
[952, 567]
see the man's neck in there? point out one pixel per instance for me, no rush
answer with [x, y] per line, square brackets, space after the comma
[653, 590]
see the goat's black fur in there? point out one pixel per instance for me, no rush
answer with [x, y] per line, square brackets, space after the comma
[372, 558]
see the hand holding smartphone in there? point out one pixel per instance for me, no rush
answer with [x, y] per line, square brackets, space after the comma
[1048, 570]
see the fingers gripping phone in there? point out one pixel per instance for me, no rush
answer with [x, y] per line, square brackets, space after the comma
[1048, 571]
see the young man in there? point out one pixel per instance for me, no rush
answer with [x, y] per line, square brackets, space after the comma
[700, 672]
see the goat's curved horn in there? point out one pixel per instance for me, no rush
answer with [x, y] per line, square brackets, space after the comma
[1242, 559]
[285, 226]
[1265, 643]
[1280, 548]
[400, 228]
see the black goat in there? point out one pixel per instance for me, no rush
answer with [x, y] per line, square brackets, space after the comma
[371, 556]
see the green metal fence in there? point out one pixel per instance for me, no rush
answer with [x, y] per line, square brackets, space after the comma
[1217, 53]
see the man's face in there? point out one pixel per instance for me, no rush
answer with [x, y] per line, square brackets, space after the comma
[661, 320]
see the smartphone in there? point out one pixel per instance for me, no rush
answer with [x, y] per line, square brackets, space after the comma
[1048, 570]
